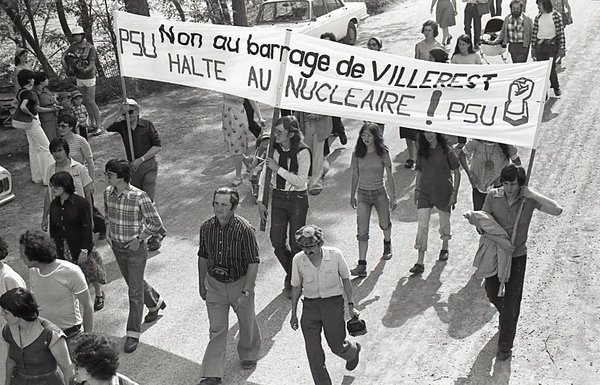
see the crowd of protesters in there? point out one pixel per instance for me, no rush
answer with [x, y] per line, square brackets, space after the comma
[54, 318]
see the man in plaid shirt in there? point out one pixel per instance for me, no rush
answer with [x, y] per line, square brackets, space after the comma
[131, 219]
[516, 33]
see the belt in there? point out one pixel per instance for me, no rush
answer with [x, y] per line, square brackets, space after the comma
[321, 298]
[72, 331]
[288, 194]
[228, 280]
[33, 376]
[547, 41]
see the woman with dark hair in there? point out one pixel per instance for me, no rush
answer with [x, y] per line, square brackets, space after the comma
[21, 63]
[71, 231]
[26, 118]
[464, 53]
[48, 106]
[548, 39]
[291, 163]
[96, 361]
[485, 161]
[445, 13]
[36, 347]
[438, 179]
[369, 161]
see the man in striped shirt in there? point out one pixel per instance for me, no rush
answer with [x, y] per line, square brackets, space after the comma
[131, 219]
[227, 266]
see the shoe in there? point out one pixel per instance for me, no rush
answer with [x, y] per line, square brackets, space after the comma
[130, 344]
[503, 355]
[154, 243]
[444, 254]
[248, 364]
[449, 40]
[210, 381]
[351, 365]
[99, 302]
[359, 271]
[343, 138]
[409, 163]
[557, 91]
[417, 268]
[236, 182]
[153, 315]
[94, 131]
[102, 236]
[387, 251]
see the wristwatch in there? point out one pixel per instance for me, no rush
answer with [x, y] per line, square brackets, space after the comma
[245, 293]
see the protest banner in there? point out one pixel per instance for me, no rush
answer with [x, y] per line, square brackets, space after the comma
[500, 103]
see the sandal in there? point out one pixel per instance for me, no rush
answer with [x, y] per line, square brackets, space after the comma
[409, 163]
[417, 268]
[99, 302]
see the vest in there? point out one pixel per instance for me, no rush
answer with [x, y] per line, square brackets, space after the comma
[283, 162]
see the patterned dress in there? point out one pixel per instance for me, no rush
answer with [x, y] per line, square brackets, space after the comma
[235, 125]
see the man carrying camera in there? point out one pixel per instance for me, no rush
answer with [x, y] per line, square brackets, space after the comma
[323, 275]
[227, 266]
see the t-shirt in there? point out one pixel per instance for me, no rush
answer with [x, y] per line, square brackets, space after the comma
[324, 282]
[9, 279]
[32, 103]
[81, 177]
[56, 293]
[83, 59]
[370, 169]
[436, 171]
[480, 153]
[79, 148]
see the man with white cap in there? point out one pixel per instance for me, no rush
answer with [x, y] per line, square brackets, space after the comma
[146, 145]
[322, 275]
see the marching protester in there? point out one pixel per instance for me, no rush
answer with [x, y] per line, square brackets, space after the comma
[80, 60]
[132, 219]
[464, 53]
[146, 145]
[369, 161]
[26, 118]
[320, 273]
[486, 160]
[495, 7]
[316, 129]
[445, 16]
[504, 204]
[516, 32]
[474, 10]
[548, 39]
[438, 180]
[236, 129]
[36, 347]
[96, 362]
[48, 104]
[71, 230]
[289, 202]
[59, 286]
[227, 267]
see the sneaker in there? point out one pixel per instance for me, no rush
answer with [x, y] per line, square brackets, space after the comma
[359, 271]
[444, 254]
[557, 91]
[417, 268]
[387, 251]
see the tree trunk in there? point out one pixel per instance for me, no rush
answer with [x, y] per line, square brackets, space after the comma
[218, 13]
[14, 17]
[138, 7]
[177, 5]
[239, 13]
[62, 18]
[31, 20]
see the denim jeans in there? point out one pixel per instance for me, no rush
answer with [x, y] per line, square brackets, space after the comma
[288, 214]
[132, 265]
[508, 306]
[364, 203]
[423, 216]
[545, 52]
[495, 9]
[326, 314]
[518, 53]
[472, 17]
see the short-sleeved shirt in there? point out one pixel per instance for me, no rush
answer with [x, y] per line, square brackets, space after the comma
[80, 175]
[370, 169]
[232, 246]
[56, 293]
[497, 205]
[481, 152]
[78, 50]
[144, 137]
[436, 178]
[32, 104]
[81, 114]
[324, 282]
[9, 279]
[79, 148]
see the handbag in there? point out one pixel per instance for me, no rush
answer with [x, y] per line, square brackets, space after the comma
[566, 16]
[482, 7]
[356, 326]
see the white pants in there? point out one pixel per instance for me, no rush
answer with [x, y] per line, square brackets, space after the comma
[423, 216]
[40, 158]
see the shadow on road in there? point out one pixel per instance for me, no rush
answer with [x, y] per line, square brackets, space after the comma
[362, 287]
[548, 115]
[413, 295]
[483, 372]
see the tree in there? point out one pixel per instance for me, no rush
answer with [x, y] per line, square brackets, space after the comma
[138, 7]
[179, 9]
[239, 13]
[218, 12]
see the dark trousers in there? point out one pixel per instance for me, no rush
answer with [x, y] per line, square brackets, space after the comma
[497, 9]
[144, 177]
[478, 199]
[288, 214]
[508, 306]
[472, 17]
[327, 315]
[98, 219]
[518, 53]
[546, 51]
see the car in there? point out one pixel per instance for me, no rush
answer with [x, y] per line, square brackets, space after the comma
[314, 17]
[6, 194]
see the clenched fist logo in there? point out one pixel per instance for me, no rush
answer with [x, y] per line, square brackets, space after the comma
[516, 109]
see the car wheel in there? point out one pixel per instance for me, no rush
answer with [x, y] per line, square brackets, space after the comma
[350, 38]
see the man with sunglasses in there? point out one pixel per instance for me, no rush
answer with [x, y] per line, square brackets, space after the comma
[146, 145]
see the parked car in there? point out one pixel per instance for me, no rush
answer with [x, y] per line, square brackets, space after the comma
[314, 17]
[6, 194]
